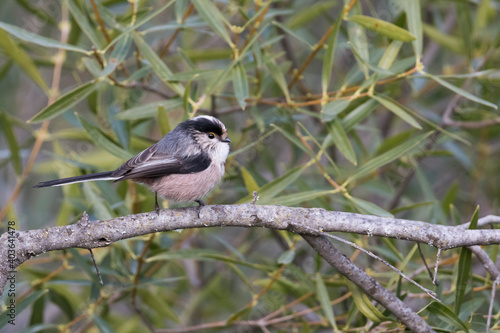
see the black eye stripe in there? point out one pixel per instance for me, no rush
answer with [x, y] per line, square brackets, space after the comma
[206, 126]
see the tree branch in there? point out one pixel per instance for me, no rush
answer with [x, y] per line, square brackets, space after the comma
[369, 285]
[305, 221]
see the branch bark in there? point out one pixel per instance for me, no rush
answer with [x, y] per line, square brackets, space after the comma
[305, 221]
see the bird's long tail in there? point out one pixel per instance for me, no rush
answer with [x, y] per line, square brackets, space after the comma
[78, 179]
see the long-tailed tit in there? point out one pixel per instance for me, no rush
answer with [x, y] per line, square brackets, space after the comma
[185, 165]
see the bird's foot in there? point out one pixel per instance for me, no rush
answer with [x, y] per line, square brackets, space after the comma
[201, 204]
[157, 207]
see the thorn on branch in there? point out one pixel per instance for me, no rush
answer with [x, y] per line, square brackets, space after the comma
[84, 220]
[255, 198]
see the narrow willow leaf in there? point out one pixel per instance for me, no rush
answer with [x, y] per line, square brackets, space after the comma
[376, 162]
[150, 110]
[163, 121]
[464, 267]
[464, 17]
[21, 58]
[8, 131]
[358, 40]
[249, 181]
[390, 54]
[328, 58]
[292, 34]
[367, 207]
[103, 141]
[308, 13]
[96, 201]
[240, 85]
[195, 75]
[414, 19]
[341, 140]
[159, 67]
[364, 305]
[30, 37]
[446, 314]
[118, 55]
[296, 198]
[101, 324]
[158, 305]
[84, 24]
[138, 24]
[332, 109]
[65, 102]
[210, 14]
[273, 188]
[286, 257]
[279, 78]
[324, 300]
[461, 92]
[398, 111]
[358, 114]
[451, 42]
[383, 27]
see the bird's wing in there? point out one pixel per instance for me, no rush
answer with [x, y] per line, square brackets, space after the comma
[152, 164]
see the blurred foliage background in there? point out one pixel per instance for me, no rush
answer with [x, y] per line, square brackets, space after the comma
[377, 107]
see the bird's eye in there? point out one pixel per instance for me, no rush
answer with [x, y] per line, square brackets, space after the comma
[211, 135]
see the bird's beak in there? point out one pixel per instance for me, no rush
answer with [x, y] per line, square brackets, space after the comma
[228, 140]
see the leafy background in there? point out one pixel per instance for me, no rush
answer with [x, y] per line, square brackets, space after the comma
[378, 107]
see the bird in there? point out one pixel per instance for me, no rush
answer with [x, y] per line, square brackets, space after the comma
[184, 166]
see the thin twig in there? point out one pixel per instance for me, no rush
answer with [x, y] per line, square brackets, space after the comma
[371, 254]
[438, 257]
[433, 278]
[492, 302]
[101, 22]
[95, 265]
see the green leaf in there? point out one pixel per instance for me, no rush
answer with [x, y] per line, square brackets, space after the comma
[450, 42]
[96, 201]
[367, 207]
[159, 67]
[240, 85]
[30, 37]
[364, 304]
[250, 183]
[273, 188]
[158, 305]
[150, 110]
[118, 55]
[21, 306]
[292, 34]
[8, 130]
[210, 14]
[103, 141]
[21, 58]
[341, 140]
[324, 300]
[65, 102]
[461, 92]
[383, 27]
[358, 114]
[390, 54]
[414, 19]
[279, 78]
[308, 12]
[101, 324]
[397, 110]
[296, 198]
[84, 24]
[446, 314]
[286, 257]
[387, 157]
[464, 267]
[358, 40]
[163, 121]
[328, 58]
[332, 109]
[464, 17]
